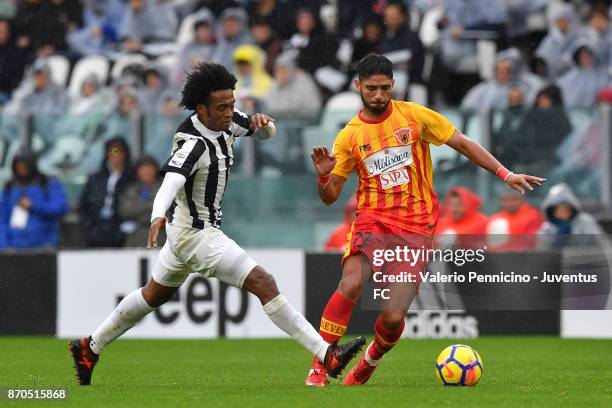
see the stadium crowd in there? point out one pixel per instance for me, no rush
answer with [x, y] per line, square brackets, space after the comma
[289, 57]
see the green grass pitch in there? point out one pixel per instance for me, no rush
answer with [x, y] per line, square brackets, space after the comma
[519, 371]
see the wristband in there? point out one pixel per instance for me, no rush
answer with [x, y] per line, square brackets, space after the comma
[503, 173]
[324, 180]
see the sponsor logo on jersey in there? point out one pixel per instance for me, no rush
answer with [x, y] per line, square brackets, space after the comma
[404, 135]
[388, 159]
[392, 178]
[365, 148]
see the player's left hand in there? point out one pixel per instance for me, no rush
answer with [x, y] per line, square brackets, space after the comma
[260, 120]
[522, 182]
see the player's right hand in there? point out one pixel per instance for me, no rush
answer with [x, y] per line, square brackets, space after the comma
[323, 160]
[522, 182]
[156, 226]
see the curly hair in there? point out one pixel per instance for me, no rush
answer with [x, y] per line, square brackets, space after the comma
[374, 64]
[204, 79]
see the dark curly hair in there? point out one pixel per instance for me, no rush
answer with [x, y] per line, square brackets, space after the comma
[204, 79]
[374, 64]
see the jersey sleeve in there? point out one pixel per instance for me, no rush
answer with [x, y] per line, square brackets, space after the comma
[241, 124]
[345, 162]
[435, 128]
[185, 158]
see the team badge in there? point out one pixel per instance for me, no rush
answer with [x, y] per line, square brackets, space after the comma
[404, 135]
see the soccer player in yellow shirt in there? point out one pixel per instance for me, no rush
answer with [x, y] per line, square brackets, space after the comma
[387, 145]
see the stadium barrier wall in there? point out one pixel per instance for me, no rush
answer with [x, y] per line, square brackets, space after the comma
[68, 293]
[91, 283]
[28, 294]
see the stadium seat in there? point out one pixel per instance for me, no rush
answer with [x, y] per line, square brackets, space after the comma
[473, 127]
[167, 61]
[343, 101]
[338, 111]
[125, 60]
[444, 153]
[429, 32]
[93, 64]
[417, 93]
[486, 49]
[60, 68]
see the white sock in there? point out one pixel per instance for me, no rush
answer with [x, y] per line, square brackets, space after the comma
[369, 359]
[128, 312]
[294, 324]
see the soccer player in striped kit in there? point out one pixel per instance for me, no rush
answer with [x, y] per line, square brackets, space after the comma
[188, 204]
[387, 145]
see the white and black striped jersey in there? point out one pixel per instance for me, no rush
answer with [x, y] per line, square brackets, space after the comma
[205, 158]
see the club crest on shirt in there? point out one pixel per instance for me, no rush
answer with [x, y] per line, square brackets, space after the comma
[404, 135]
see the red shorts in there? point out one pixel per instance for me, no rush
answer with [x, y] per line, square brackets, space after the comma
[389, 250]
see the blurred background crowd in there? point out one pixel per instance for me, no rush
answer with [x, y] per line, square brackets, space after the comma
[89, 91]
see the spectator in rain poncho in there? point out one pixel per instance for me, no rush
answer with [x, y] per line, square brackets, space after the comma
[493, 93]
[38, 94]
[147, 21]
[155, 84]
[293, 93]
[159, 126]
[564, 216]
[253, 80]
[581, 84]
[585, 247]
[200, 49]
[599, 32]
[556, 47]
[461, 221]
[233, 33]
[100, 31]
[92, 98]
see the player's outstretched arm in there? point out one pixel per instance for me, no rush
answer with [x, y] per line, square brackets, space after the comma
[329, 185]
[481, 156]
[166, 193]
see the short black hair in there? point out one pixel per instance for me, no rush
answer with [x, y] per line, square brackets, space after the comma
[400, 5]
[374, 64]
[202, 81]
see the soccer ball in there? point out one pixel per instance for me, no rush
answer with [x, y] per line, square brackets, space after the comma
[459, 365]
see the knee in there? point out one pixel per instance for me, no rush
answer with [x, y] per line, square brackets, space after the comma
[351, 286]
[156, 295]
[261, 284]
[392, 319]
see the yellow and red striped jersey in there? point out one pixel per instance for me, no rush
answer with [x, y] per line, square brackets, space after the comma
[391, 158]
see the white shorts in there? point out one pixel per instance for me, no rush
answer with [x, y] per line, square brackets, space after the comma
[208, 252]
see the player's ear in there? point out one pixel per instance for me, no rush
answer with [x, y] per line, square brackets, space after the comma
[358, 85]
[202, 110]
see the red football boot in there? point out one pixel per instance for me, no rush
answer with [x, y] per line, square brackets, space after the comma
[361, 373]
[317, 376]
